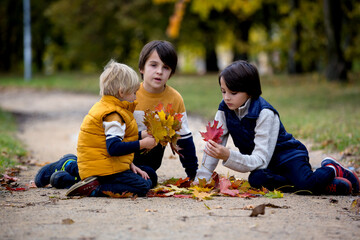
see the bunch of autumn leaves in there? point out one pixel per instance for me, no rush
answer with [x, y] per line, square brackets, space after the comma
[162, 124]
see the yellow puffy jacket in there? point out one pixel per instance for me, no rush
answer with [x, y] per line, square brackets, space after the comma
[93, 158]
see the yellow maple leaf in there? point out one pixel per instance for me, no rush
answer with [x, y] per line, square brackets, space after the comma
[162, 117]
[118, 195]
[179, 190]
[202, 195]
[200, 189]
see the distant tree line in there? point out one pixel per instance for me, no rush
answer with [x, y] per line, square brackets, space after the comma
[298, 36]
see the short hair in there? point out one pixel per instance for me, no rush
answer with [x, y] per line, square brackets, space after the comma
[118, 76]
[241, 76]
[164, 49]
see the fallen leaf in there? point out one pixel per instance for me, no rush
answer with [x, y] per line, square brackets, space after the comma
[249, 207]
[270, 205]
[202, 195]
[355, 206]
[68, 221]
[200, 189]
[183, 182]
[182, 196]
[150, 210]
[274, 194]
[118, 195]
[16, 189]
[258, 210]
[224, 188]
[207, 206]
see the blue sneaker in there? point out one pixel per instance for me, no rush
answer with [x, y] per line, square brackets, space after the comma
[42, 178]
[63, 179]
[339, 186]
[342, 172]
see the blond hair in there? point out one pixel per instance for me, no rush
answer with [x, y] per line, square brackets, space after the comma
[117, 76]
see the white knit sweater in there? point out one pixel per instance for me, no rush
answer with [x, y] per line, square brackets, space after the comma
[266, 134]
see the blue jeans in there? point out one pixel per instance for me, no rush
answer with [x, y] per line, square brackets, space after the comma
[296, 173]
[126, 181]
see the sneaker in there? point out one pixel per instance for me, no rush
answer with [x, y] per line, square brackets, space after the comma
[42, 178]
[339, 186]
[342, 172]
[84, 187]
[63, 179]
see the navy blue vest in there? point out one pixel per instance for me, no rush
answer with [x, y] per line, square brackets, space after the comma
[243, 133]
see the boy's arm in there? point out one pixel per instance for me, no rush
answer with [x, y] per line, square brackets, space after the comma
[187, 148]
[115, 132]
[189, 161]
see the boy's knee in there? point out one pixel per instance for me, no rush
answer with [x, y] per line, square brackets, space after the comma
[152, 174]
[256, 178]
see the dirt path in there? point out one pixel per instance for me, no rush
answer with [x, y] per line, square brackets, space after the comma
[49, 126]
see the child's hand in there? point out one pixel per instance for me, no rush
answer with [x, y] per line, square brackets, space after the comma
[147, 142]
[216, 150]
[138, 171]
[145, 134]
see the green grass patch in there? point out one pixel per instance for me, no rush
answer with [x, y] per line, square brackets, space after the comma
[67, 81]
[10, 148]
[310, 107]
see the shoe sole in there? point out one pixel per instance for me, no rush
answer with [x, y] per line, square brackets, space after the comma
[80, 184]
[357, 178]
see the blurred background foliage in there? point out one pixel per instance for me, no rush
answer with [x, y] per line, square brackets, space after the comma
[308, 53]
[280, 36]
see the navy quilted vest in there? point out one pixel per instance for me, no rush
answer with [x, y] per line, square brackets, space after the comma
[243, 133]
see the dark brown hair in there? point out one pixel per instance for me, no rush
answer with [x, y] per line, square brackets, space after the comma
[164, 49]
[241, 76]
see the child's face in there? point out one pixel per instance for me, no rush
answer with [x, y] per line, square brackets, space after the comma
[155, 74]
[233, 100]
[130, 97]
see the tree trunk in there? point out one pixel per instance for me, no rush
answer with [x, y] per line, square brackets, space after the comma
[294, 63]
[336, 65]
[211, 58]
[242, 32]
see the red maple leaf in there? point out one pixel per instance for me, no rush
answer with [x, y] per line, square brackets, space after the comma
[159, 107]
[213, 132]
[225, 184]
[169, 109]
[183, 183]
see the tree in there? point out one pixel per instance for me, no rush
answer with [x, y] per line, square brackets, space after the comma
[294, 62]
[11, 35]
[333, 18]
[95, 31]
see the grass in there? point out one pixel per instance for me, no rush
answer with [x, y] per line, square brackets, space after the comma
[327, 113]
[309, 106]
[10, 147]
[74, 81]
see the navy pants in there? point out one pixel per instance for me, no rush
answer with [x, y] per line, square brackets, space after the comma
[296, 173]
[126, 181]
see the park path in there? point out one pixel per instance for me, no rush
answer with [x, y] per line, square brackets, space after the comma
[49, 123]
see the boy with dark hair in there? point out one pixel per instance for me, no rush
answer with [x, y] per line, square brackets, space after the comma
[157, 63]
[264, 148]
